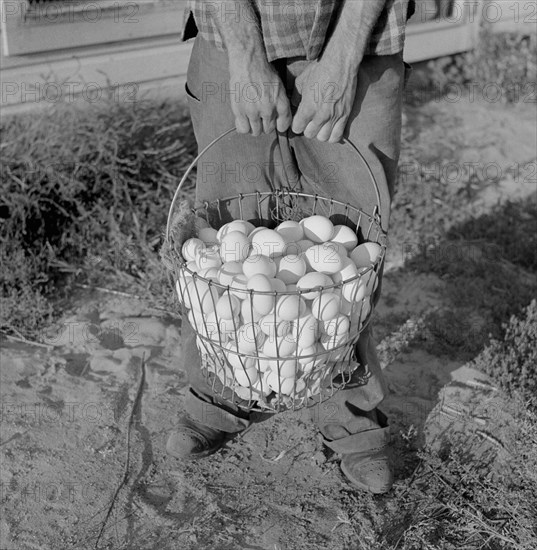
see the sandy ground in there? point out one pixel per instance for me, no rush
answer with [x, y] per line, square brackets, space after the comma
[84, 425]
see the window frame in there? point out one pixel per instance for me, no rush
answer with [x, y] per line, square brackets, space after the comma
[65, 24]
[449, 35]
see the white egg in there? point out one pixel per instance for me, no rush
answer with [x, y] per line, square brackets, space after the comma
[278, 285]
[325, 306]
[246, 377]
[227, 272]
[336, 326]
[192, 267]
[200, 295]
[268, 243]
[290, 307]
[307, 355]
[291, 268]
[279, 347]
[249, 338]
[348, 271]
[287, 368]
[339, 248]
[273, 328]
[258, 264]
[291, 231]
[317, 228]
[220, 329]
[272, 380]
[366, 254]
[256, 230]
[245, 393]
[262, 303]
[357, 290]
[263, 363]
[208, 235]
[248, 312]
[192, 248]
[311, 281]
[287, 386]
[210, 273]
[236, 225]
[227, 307]
[259, 389]
[305, 330]
[291, 288]
[308, 368]
[330, 342]
[210, 257]
[345, 307]
[304, 244]
[284, 386]
[324, 259]
[235, 247]
[238, 286]
[236, 360]
[345, 236]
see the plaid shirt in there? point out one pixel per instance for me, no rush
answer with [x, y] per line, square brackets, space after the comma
[296, 28]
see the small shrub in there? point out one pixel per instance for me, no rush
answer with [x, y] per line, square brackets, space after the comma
[506, 60]
[513, 360]
[86, 192]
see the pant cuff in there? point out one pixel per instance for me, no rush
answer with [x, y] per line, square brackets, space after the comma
[213, 416]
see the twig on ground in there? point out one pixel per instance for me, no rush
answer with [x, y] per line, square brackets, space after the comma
[125, 477]
[20, 338]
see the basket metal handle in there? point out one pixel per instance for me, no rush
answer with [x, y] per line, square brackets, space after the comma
[215, 140]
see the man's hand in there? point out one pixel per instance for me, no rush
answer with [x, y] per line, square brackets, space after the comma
[258, 99]
[328, 92]
[328, 86]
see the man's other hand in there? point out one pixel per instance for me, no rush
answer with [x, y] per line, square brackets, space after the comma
[328, 92]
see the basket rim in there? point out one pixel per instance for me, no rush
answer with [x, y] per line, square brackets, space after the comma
[276, 293]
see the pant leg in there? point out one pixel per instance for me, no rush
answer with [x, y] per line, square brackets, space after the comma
[375, 128]
[236, 164]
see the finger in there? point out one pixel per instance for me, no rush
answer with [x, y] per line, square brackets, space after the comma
[300, 121]
[268, 124]
[312, 129]
[242, 124]
[283, 122]
[325, 132]
[255, 125]
[338, 130]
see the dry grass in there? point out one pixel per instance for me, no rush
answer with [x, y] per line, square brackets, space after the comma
[84, 196]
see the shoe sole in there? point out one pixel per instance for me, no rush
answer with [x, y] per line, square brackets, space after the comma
[363, 486]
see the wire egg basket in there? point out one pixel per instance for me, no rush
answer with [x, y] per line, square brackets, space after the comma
[270, 363]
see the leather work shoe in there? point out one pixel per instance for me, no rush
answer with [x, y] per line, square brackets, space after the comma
[365, 454]
[369, 471]
[190, 440]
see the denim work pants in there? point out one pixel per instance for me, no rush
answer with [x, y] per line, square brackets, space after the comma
[243, 163]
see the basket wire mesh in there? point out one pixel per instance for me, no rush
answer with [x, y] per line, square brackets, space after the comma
[233, 354]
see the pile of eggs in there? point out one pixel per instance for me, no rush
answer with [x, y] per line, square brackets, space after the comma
[276, 305]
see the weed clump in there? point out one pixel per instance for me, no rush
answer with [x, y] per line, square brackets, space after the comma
[512, 362]
[86, 193]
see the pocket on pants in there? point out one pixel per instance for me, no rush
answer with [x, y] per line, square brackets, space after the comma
[190, 95]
